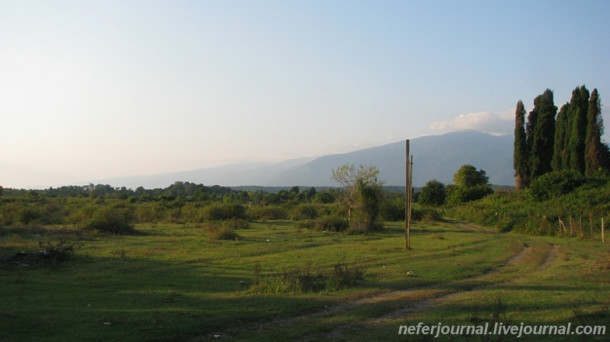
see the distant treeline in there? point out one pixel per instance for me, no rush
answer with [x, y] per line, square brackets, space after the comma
[179, 190]
[181, 202]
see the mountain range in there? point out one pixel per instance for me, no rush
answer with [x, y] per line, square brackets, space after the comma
[435, 157]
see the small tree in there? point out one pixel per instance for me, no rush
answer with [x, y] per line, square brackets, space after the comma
[362, 194]
[467, 176]
[433, 193]
[469, 184]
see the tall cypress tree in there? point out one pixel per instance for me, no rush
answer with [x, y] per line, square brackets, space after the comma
[543, 135]
[532, 119]
[578, 125]
[520, 154]
[560, 157]
[595, 128]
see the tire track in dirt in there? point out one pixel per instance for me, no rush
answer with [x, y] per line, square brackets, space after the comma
[428, 303]
[422, 304]
[549, 259]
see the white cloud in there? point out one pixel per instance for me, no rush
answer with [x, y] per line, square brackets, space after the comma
[490, 122]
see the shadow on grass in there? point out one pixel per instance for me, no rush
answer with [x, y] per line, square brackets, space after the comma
[110, 298]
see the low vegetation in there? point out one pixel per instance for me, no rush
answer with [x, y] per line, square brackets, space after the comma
[561, 208]
[280, 282]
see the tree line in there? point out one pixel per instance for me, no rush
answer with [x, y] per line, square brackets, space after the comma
[567, 141]
[185, 202]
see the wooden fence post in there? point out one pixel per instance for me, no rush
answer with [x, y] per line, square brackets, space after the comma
[407, 198]
[603, 231]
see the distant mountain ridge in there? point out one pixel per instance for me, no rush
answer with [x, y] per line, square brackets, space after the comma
[435, 157]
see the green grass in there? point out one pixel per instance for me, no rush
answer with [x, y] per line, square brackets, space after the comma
[175, 283]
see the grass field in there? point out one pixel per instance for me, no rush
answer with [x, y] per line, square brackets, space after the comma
[174, 283]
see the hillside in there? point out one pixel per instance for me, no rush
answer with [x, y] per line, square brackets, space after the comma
[436, 157]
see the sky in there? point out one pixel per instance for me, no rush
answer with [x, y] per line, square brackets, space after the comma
[99, 89]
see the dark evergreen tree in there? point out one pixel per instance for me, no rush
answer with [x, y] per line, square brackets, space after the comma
[532, 119]
[605, 156]
[560, 154]
[578, 124]
[520, 155]
[543, 134]
[595, 128]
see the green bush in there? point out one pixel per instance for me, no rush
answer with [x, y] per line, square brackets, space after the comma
[344, 276]
[112, 220]
[268, 213]
[324, 197]
[304, 212]
[30, 215]
[224, 212]
[291, 282]
[457, 195]
[425, 214]
[331, 223]
[50, 252]
[235, 224]
[222, 232]
[393, 208]
[150, 212]
[433, 193]
[58, 252]
[301, 281]
[555, 184]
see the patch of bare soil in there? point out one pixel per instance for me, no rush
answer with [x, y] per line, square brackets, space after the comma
[551, 255]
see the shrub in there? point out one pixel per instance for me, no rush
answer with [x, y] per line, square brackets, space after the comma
[268, 213]
[433, 193]
[150, 212]
[57, 252]
[287, 282]
[425, 214]
[225, 211]
[555, 184]
[112, 220]
[344, 276]
[235, 224]
[29, 215]
[299, 281]
[51, 253]
[331, 223]
[223, 232]
[457, 195]
[393, 208]
[304, 212]
[324, 197]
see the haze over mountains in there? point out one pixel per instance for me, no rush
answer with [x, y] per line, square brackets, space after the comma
[435, 157]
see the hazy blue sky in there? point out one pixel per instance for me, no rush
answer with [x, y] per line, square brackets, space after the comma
[97, 89]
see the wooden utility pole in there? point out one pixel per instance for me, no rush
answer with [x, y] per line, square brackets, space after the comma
[408, 195]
